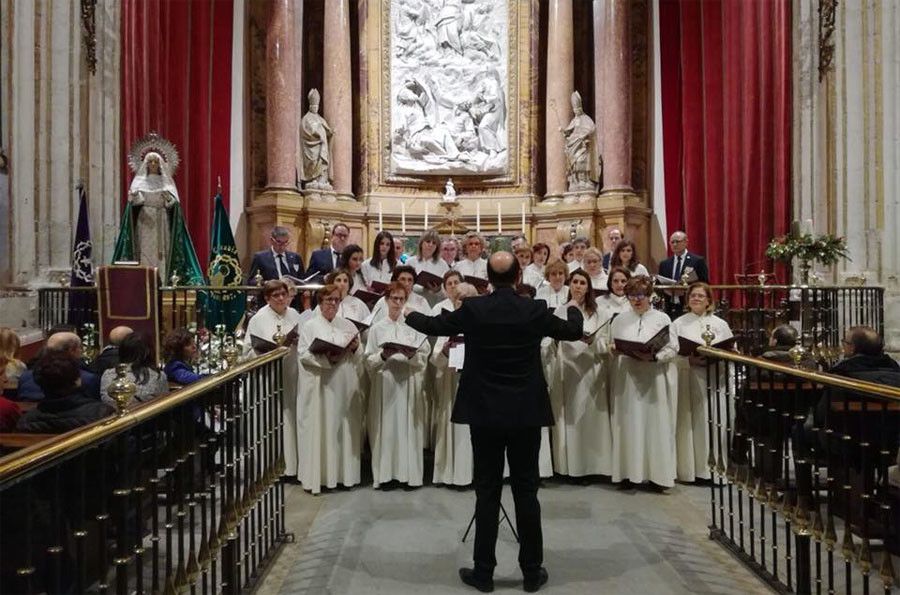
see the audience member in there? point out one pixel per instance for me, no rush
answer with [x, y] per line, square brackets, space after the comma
[181, 353]
[150, 382]
[65, 405]
[14, 367]
[109, 356]
[69, 344]
[9, 411]
[784, 337]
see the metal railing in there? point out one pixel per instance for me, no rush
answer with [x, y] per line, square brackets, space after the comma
[181, 493]
[800, 463]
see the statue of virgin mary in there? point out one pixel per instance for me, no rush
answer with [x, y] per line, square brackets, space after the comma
[153, 231]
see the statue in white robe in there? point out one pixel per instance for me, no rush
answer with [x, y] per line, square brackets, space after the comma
[330, 403]
[153, 190]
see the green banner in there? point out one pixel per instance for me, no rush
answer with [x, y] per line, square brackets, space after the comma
[223, 307]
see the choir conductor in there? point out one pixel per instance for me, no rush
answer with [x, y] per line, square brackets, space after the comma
[503, 397]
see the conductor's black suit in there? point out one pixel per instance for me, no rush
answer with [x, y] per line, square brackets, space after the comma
[503, 397]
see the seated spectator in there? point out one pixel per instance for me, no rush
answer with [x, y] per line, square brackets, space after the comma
[9, 411]
[150, 382]
[14, 368]
[69, 344]
[65, 405]
[109, 356]
[181, 353]
[783, 338]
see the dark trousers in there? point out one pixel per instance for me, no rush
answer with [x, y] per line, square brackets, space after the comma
[522, 446]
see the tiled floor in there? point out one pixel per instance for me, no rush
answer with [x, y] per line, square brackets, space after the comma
[597, 538]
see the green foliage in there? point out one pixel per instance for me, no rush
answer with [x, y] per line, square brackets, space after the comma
[825, 249]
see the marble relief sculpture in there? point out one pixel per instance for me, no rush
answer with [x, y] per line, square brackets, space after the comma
[315, 140]
[448, 86]
[582, 164]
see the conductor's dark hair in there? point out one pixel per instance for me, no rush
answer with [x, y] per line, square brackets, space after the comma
[785, 335]
[507, 278]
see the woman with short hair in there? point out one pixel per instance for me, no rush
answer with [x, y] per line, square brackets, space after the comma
[428, 259]
[534, 273]
[472, 264]
[554, 292]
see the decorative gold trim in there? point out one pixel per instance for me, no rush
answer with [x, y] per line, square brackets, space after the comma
[29, 459]
[879, 390]
[89, 33]
[827, 10]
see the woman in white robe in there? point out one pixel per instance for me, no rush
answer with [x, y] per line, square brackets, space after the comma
[405, 275]
[592, 263]
[277, 316]
[452, 442]
[381, 266]
[643, 395]
[352, 308]
[581, 437]
[472, 264]
[534, 273]
[154, 191]
[428, 259]
[331, 402]
[554, 292]
[625, 255]
[396, 412]
[352, 260]
[615, 302]
[692, 430]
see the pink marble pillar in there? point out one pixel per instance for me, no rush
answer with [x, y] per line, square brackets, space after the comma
[615, 96]
[282, 105]
[336, 92]
[560, 84]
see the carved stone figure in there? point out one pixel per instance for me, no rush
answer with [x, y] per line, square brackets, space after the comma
[315, 140]
[449, 191]
[581, 154]
[154, 191]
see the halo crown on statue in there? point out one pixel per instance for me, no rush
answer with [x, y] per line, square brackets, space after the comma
[154, 143]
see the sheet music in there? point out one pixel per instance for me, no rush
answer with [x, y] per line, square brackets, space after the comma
[457, 356]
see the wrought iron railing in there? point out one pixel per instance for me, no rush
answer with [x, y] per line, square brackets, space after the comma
[180, 494]
[801, 463]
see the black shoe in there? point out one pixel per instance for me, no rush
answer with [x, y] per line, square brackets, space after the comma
[534, 582]
[484, 585]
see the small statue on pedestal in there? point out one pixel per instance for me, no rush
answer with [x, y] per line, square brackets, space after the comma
[449, 191]
[315, 141]
[582, 164]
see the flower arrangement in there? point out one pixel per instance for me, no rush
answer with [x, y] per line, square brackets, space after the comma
[825, 249]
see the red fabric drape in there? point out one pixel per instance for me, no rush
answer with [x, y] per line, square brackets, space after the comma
[726, 102]
[176, 80]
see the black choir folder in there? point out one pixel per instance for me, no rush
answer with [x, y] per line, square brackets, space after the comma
[651, 347]
[369, 298]
[389, 348]
[687, 347]
[426, 279]
[322, 347]
[261, 346]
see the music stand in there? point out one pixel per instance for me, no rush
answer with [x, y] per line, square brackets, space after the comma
[505, 516]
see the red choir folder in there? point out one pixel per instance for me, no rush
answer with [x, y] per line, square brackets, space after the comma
[429, 280]
[652, 346]
[323, 347]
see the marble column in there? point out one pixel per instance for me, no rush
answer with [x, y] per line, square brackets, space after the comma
[336, 92]
[615, 96]
[282, 103]
[560, 85]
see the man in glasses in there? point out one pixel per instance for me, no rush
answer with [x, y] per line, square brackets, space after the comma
[277, 261]
[326, 260]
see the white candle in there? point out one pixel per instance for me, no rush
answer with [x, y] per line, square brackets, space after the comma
[380, 216]
[499, 219]
[477, 217]
[403, 217]
[523, 218]
[426, 215]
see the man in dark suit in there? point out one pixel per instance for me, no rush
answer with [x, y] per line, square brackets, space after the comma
[109, 356]
[613, 236]
[326, 260]
[682, 264]
[503, 397]
[277, 261]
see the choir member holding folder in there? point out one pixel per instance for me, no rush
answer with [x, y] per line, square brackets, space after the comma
[330, 408]
[429, 267]
[452, 442]
[396, 356]
[473, 266]
[582, 438]
[352, 308]
[554, 292]
[644, 391]
[534, 273]
[691, 428]
[592, 263]
[352, 259]
[277, 317]
[378, 269]
[406, 276]
[615, 302]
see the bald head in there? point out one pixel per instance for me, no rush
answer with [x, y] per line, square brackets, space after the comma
[118, 334]
[503, 269]
[65, 342]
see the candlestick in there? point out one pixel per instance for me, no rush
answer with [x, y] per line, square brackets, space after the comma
[426, 216]
[499, 219]
[380, 216]
[477, 217]
[403, 217]
[523, 218]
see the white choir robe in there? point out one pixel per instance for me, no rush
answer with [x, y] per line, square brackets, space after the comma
[640, 270]
[643, 403]
[599, 281]
[382, 273]
[435, 268]
[264, 324]
[353, 308]
[357, 281]
[692, 422]
[553, 298]
[582, 437]
[573, 265]
[396, 415]
[331, 408]
[614, 304]
[533, 275]
[472, 268]
[452, 442]
[414, 302]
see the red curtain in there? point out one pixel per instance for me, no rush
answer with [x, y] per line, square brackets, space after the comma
[726, 106]
[176, 80]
